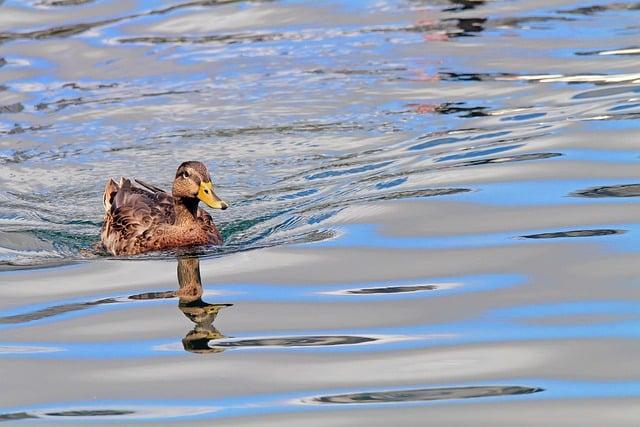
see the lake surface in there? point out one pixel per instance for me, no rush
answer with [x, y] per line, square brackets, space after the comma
[434, 212]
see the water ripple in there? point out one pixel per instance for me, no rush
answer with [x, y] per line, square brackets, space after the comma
[293, 341]
[385, 290]
[573, 233]
[626, 190]
[423, 395]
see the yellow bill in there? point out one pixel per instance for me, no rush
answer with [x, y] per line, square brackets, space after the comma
[208, 197]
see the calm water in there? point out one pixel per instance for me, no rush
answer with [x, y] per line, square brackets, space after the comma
[434, 212]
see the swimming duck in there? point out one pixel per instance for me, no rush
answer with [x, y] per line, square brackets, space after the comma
[140, 217]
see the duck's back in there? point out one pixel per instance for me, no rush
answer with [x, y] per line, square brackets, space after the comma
[132, 215]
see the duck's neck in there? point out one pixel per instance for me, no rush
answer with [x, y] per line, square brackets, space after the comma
[186, 210]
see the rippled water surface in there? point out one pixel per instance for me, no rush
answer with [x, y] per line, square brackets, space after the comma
[434, 212]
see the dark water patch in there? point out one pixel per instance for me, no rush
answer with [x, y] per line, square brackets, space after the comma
[61, 31]
[521, 117]
[599, 8]
[36, 264]
[67, 102]
[624, 51]
[15, 416]
[389, 290]
[574, 233]
[299, 194]
[147, 296]
[451, 27]
[424, 395]
[58, 3]
[507, 159]
[60, 104]
[624, 107]
[18, 129]
[458, 5]
[11, 108]
[215, 38]
[80, 413]
[89, 87]
[132, 413]
[626, 190]
[16, 156]
[472, 77]
[478, 153]
[57, 310]
[576, 79]
[625, 116]
[436, 142]
[465, 27]
[53, 311]
[294, 341]
[390, 184]
[461, 109]
[592, 78]
[601, 93]
[491, 135]
[90, 413]
[436, 139]
[350, 171]
[610, 118]
[520, 22]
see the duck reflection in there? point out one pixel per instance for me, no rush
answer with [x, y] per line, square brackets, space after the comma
[201, 313]
[189, 295]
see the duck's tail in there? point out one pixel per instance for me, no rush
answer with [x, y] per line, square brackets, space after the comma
[109, 194]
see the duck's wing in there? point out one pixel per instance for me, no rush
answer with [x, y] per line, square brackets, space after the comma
[149, 187]
[133, 210]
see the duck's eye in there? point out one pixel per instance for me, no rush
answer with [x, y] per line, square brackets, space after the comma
[206, 191]
[185, 174]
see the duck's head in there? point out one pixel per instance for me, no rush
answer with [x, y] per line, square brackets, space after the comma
[193, 181]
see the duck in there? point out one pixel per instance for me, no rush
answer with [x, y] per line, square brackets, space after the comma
[140, 217]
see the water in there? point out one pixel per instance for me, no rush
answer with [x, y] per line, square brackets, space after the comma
[434, 212]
